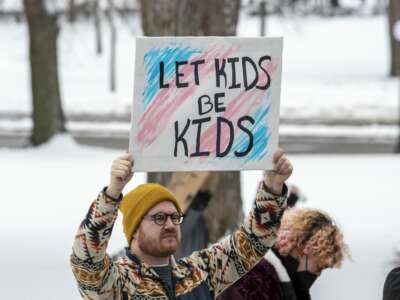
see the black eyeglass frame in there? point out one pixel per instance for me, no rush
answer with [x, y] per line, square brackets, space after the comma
[176, 218]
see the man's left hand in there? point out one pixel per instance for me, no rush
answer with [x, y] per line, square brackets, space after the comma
[282, 169]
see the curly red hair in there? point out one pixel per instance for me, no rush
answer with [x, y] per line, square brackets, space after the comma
[302, 227]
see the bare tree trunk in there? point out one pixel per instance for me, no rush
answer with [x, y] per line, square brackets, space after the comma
[190, 17]
[97, 27]
[162, 178]
[113, 45]
[221, 17]
[263, 17]
[205, 17]
[334, 3]
[159, 17]
[71, 11]
[224, 212]
[48, 117]
[393, 16]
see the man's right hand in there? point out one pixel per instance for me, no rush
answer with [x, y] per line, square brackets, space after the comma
[121, 173]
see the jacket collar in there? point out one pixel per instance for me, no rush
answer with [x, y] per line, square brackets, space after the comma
[275, 261]
[179, 271]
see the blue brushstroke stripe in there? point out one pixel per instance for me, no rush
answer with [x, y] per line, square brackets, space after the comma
[169, 55]
[260, 135]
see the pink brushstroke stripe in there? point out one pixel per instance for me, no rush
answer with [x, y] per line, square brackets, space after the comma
[163, 95]
[208, 138]
[169, 100]
[248, 99]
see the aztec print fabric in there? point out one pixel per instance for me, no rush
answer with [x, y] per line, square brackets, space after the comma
[215, 267]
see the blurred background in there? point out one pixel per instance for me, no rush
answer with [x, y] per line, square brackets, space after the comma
[66, 70]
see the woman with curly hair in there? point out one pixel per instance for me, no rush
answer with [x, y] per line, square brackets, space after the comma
[308, 242]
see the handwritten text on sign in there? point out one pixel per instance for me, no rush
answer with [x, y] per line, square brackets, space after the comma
[205, 103]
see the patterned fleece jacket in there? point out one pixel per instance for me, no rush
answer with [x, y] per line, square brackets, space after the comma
[211, 269]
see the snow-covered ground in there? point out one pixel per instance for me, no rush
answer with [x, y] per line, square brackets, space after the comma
[333, 68]
[47, 191]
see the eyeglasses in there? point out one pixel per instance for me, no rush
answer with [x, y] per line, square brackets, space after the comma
[161, 218]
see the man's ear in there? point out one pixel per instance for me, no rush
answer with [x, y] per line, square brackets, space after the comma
[135, 235]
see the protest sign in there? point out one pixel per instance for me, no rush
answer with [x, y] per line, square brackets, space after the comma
[185, 185]
[205, 103]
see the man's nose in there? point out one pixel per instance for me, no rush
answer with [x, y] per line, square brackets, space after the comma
[168, 222]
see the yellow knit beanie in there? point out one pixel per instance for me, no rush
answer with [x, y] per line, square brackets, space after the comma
[139, 201]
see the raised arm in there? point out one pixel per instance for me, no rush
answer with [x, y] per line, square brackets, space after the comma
[97, 276]
[225, 262]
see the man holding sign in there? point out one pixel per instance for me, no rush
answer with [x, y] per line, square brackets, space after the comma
[151, 221]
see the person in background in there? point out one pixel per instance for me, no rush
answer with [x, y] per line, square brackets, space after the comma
[308, 242]
[391, 289]
[194, 228]
[151, 222]
[295, 196]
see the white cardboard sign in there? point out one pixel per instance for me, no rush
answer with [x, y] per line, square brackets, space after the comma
[205, 103]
